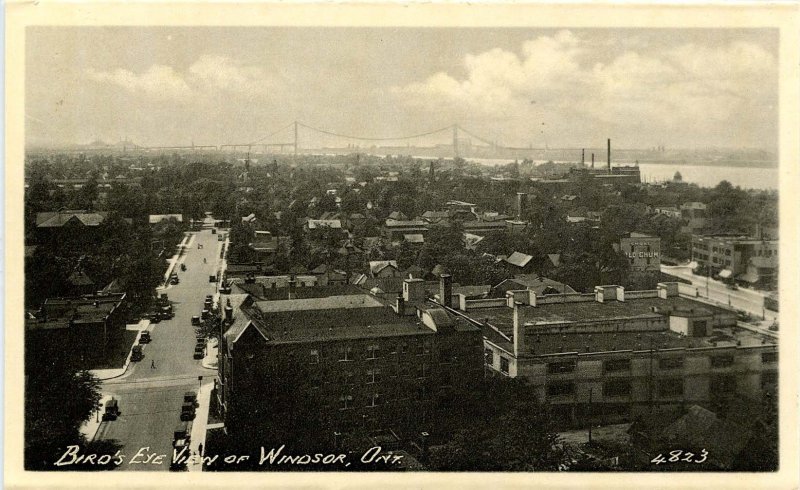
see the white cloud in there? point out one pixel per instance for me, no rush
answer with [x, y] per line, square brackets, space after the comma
[158, 81]
[689, 88]
[208, 76]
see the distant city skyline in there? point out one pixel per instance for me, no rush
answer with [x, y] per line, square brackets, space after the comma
[680, 88]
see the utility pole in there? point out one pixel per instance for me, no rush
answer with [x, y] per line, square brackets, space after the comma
[651, 375]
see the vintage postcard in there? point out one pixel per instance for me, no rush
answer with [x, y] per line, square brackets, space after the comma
[401, 245]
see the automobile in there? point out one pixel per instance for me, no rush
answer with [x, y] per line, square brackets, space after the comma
[174, 280]
[155, 317]
[111, 410]
[213, 231]
[144, 337]
[209, 297]
[204, 314]
[198, 353]
[190, 397]
[187, 411]
[212, 278]
[182, 436]
[137, 354]
[183, 267]
[196, 321]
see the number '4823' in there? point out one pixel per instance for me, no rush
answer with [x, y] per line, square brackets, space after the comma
[680, 456]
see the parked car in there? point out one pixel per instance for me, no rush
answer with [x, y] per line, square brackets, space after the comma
[182, 436]
[137, 354]
[187, 411]
[212, 278]
[174, 280]
[155, 317]
[196, 321]
[190, 397]
[198, 353]
[144, 337]
[183, 267]
[111, 410]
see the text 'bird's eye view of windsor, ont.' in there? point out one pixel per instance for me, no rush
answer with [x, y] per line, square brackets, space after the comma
[372, 249]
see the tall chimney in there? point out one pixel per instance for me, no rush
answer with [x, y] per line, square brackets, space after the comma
[609, 155]
[583, 157]
[521, 201]
[401, 306]
[229, 313]
[446, 290]
[592, 160]
[519, 333]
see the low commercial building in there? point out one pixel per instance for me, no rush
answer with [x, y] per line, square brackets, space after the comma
[694, 215]
[614, 353]
[736, 257]
[372, 365]
[395, 230]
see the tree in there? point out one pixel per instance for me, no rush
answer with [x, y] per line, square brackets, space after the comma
[502, 427]
[58, 399]
[89, 192]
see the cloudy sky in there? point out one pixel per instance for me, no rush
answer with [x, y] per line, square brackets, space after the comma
[171, 86]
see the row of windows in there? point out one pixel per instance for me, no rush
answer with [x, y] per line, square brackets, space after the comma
[488, 358]
[371, 376]
[374, 351]
[615, 365]
[666, 387]
[348, 401]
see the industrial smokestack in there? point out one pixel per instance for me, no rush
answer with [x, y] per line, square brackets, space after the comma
[592, 160]
[583, 156]
[446, 290]
[609, 155]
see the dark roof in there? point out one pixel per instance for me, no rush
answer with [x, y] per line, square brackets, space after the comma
[393, 223]
[62, 312]
[79, 278]
[376, 266]
[535, 283]
[334, 317]
[473, 291]
[60, 218]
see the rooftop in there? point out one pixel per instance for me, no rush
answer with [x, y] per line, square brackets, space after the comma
[60, 218]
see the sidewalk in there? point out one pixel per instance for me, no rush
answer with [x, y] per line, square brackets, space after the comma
[105, 374]
[210, 360]
[89, 428]
[173, 261]
[199, 426]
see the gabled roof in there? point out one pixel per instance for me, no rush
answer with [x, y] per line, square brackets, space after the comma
[79, 278]
[540, 285]
[60, 218]
[519, 259]
[376, 266]
[414, 271]
[404, 223]
[398, 216]
[555, 259]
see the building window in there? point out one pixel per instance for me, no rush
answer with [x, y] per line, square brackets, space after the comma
[561, 389]
[314, 356]
[617, 365]
[722, 361]
[393, 348]
[723, 385]
[373, 376]
[345, 402]
[769, 357]
[670, 363]
[619, 387]
[347, 377]
[372, 352]
[404, 348]
[346, 354]
[422, 371]
[374, 400]
[504, 365]
[670, 387]
[560, 367]
[488, 357]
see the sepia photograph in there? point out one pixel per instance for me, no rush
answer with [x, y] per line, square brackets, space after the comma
[415, 248]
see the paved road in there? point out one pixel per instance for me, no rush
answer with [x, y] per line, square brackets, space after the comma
[742, 299]
[150, 399]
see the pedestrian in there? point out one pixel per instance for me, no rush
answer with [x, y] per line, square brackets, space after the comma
[200, 449]
[152, 363]
[204, 260]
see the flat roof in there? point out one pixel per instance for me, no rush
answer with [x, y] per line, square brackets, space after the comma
[502, 316]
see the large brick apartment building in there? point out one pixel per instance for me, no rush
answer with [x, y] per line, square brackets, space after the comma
[373, 365]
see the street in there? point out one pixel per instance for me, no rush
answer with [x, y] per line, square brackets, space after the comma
[150, 397]
[745, 299]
